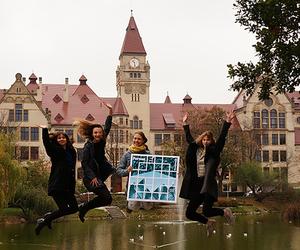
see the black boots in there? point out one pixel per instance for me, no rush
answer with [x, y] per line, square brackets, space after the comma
[82, 211]
[42, 222]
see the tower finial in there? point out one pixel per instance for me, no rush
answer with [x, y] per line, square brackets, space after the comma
[131, 11]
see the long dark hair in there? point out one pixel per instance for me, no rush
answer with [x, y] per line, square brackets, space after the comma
[53, 138]
[85, 129]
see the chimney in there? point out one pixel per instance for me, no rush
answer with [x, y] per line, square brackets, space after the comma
[40, 80]
[66, 90]
[39, 94]
[24, 79]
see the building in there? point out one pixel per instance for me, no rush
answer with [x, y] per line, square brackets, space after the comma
[23, 106]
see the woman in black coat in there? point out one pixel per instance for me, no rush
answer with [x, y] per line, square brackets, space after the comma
[61, 183]
[96, 167]
[199, 185]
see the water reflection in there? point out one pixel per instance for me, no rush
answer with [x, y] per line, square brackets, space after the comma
[249, 232]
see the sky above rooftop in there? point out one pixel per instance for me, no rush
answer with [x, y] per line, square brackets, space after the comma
[189, 44]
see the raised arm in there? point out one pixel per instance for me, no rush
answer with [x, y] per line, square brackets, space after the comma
[189, 138]
[226, 125]
[108, 121]
[46, 141]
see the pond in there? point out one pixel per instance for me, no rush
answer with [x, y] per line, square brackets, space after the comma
[262, 232]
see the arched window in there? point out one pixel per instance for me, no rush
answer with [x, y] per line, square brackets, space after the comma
[273, 121]
[265, 118]
[135, 122]
[256, 120]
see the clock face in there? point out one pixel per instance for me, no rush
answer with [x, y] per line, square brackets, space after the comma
[134, 62]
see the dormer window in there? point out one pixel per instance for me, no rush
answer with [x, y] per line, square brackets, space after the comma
[90, 117]
[84, 99]
[57, 98]
[58, 117]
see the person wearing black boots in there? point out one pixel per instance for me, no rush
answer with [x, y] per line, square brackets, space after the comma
[96, 168]
[61, 183]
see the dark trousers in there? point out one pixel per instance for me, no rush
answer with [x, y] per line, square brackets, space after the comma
[207, 210]
[103, 198]
[66, 203]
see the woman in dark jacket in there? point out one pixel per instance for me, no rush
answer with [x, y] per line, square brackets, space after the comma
[199, 184]
[61, 184]
[96, 167]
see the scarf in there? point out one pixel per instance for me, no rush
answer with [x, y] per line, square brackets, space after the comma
[135, 149]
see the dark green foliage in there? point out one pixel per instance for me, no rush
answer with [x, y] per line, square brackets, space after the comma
[275, 24]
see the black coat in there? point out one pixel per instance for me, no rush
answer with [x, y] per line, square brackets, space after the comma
[192, 184]
[91, 168]
[62, 176]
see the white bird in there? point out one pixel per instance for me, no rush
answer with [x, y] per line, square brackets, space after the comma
[131, 240]
[214, 232]
[245, 234]
[141, 237]
[228, 236]
[164, 233]
[139, 225]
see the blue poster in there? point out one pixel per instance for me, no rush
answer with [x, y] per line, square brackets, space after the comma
[153, 178]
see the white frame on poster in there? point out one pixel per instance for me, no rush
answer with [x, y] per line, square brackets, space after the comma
[158, 185]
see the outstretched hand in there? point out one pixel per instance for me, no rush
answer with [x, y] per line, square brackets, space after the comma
[229, 116]
[109, 107]
[185, 117]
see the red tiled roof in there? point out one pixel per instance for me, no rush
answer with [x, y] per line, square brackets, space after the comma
[74, 108]
[132, 42]
[297, 136]
[157, 111]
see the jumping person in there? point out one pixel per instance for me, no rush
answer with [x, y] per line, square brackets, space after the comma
[95, 166]
[61, 184]
[199, 185]
[138, 147]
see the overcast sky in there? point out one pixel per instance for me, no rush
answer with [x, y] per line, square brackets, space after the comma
[189, 43]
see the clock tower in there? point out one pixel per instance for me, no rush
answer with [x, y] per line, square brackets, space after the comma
[133, 79]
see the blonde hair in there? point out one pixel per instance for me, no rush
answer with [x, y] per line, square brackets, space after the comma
[85, 128]
[210, 136]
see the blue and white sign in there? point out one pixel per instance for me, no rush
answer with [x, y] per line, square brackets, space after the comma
[153, 178]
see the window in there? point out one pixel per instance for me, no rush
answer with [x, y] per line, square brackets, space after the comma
[266, 170]
[282, 139]
[25, 115]
[127, 136]
[34, 134]
[136, 123]
[256, 120]
[284, 173]
[281, 120]
[273, 114]
[11, 115]
[282, 156]
[274, 139]
[276, 172]
[24, 134]
[121, 137]
[167, 137]
[18, 117]
[265, 139]
[24, 153]
[268, 102]
[121, 121]
[265, 156]
[69, 132]
[157, 139]
[34, 153]
[258, 139]
[275, 155]
[177, 138]
[258, 155]
[265, 118]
